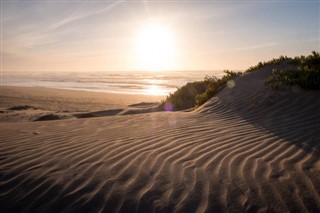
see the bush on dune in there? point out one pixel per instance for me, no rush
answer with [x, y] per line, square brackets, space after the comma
[214, 86]
[184, 97]
[196, 93]
[306, 75]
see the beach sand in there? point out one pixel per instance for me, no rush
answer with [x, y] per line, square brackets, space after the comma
[247, 149]
[32, 103]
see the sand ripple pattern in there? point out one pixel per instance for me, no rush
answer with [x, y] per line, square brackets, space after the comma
[221, 158]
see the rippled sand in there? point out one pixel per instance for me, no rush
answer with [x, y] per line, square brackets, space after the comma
[247, 149]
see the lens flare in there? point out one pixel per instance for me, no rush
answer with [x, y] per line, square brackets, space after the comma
[168, 107]
[231, 84]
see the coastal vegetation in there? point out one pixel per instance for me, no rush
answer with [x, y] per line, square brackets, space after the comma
[196, 93]
[305, 74]
[215, 85]
[300, 71]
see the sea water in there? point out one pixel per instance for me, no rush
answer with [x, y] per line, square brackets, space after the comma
[123, 82]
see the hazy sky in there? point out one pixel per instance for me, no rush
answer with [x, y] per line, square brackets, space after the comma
[205, 35]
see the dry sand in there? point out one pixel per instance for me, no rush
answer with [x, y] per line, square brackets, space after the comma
[247, 149]
[36, 103]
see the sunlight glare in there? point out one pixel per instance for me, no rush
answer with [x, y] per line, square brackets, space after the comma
[155, 49]
[155, 90]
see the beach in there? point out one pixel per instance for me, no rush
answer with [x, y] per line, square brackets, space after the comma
[29, 103]
[248, 149]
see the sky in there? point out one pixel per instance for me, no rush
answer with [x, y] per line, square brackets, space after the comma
[57, 35]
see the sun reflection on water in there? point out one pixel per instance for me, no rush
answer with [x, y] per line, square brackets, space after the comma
[155, 90]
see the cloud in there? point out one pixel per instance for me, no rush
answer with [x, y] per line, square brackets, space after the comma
[257, 46]
[244, 48]
[83, 14]
[40, 25]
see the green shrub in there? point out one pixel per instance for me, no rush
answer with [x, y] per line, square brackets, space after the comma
[184, 97]
[214, 86]
[306, 75]
[195, 93]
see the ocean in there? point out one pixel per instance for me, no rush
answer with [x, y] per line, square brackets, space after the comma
[124, 82]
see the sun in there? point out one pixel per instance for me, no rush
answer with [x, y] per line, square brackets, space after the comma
[155, 48]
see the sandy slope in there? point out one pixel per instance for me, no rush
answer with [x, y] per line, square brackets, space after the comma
[248, 149]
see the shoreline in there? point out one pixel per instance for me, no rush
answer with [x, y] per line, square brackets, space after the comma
[86, 90]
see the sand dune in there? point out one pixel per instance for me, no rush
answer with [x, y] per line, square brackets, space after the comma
[247, 149]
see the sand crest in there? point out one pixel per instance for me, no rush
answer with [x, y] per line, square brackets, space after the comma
[245, 150]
